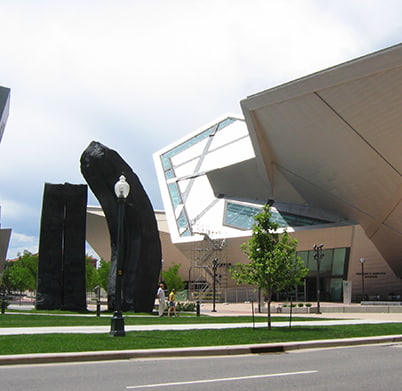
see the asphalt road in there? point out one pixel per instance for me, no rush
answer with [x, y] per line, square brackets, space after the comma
[375, 367]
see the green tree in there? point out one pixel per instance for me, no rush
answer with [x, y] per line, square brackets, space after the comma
[172, 279]
[20, 275]
[103, 274]
[6, 281]
[91, 274]
[274, 265]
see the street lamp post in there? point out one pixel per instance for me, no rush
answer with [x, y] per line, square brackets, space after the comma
[362, 260]
[214, 267]
[318, 257]
[121, 189]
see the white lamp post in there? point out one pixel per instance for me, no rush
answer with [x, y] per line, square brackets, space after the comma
[122, 190]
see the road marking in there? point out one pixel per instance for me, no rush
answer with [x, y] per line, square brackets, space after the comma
[220, 380]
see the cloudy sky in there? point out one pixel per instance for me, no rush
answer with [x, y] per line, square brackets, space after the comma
[138, 74]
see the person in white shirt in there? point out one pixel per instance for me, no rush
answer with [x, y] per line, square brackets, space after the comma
[161, 296]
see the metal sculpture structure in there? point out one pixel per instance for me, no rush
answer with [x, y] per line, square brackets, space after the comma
[142, 254]
[61, 268]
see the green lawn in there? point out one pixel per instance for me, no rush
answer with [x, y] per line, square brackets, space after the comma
[52, 343]
[36, 320]
[48, 343]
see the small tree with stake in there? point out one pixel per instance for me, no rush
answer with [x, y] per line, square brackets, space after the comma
[274, 265]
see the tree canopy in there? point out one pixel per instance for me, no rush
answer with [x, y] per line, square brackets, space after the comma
[20, 275]
[172, 279]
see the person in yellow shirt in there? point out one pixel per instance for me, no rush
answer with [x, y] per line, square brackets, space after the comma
[172, 303]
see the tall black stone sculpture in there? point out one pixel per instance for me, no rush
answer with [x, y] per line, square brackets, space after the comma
[61, 268]
[102, 167]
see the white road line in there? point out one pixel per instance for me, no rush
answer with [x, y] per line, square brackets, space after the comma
[220, 380]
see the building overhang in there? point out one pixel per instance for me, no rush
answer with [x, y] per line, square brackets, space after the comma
[335, 138]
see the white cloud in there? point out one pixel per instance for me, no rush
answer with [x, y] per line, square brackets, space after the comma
[138, 74]
[21, 242]
[14, 210]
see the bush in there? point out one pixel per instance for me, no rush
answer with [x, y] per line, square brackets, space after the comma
[308, 305]
[190, 307]
[300, 305]
[172, 279]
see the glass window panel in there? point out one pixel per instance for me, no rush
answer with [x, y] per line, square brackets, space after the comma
[174, 195]
[187, 144]
[225, 123]
[276, 217]
[326, 262]
[185, 233]
[194, 140]
[166, 162]
[169, 174]
[336, 289]
[183, 225]
[240, 216]
[312, 263]
[338, 265]
[300, 221]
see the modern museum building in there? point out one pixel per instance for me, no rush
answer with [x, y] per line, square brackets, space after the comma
[324, 151]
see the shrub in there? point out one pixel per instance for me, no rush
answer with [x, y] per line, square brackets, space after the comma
[308, 305]
[190, 307]
[300, 305]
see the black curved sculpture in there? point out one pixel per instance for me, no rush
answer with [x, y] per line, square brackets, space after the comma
[101, 168]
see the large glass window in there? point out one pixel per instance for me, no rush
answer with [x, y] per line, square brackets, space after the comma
[333, 270]
[239, 216]
[293, 220]
[242, 216]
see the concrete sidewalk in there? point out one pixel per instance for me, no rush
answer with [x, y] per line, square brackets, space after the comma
[178, 327]
[328, 310]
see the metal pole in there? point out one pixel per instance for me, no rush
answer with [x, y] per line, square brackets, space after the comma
[3, 301]
[318, 286]
[117, 327]
[318, 256]
[362, 260]
[252, 310]
[214, 267]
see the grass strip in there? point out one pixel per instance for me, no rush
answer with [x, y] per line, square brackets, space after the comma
[55, 343]
[36, 320]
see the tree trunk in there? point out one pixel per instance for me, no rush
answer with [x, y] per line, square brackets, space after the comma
[269, 311]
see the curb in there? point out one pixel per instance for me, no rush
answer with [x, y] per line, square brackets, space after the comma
[192, 352]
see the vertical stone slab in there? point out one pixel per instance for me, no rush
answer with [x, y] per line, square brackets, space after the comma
[101, 168]
[61, 268]
[74, 294]
[49, 284]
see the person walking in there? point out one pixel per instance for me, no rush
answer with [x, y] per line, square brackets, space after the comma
[172, 303]
[161, 297]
